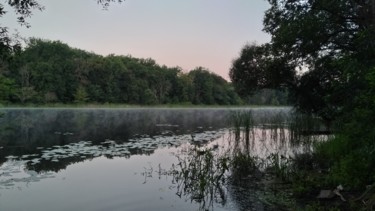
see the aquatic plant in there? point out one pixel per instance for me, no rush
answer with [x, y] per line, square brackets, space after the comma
[201, 175]
[248, 125]
[242, 165]
[280, 166]
[242, 121]
[235, 120]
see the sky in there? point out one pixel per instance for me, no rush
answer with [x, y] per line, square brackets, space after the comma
[184, 33]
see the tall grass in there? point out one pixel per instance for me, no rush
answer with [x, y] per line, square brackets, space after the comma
[281, 128]
[242, 123]
[200, 174]
[236, 120]
[293, 127]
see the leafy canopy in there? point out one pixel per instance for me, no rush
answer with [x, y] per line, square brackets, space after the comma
[332, 41]
[308, 30]
[258, 67]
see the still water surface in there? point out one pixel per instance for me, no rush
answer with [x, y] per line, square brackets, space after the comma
[105, 159]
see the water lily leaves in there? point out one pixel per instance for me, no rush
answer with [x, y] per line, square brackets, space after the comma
[12, 173]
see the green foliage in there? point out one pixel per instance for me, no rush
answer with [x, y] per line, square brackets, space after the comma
[203, 86]
[319, 207]
[333, 42]
[52, 72]
[331, 39]
[306, 30]
[148, 97]
[200, 174]
[351, 162]
[319, 91]
[81, 95]
[258, 67]
[351, 153]
[242, 121]
[7, 89]
[268, 97]
[242, 165]
[280, 166]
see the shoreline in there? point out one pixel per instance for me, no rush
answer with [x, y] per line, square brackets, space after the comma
[127, 106]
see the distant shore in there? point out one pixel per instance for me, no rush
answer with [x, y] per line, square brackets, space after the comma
[109, 105]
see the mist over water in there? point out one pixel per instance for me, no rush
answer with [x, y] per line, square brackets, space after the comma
[100, 159]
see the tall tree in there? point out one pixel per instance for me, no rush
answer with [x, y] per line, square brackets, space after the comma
[307, 30]
[202, 86]
[334, 42]
[259, 67]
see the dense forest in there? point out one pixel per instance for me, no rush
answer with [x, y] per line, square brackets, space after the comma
[52, 72]
[48, 72]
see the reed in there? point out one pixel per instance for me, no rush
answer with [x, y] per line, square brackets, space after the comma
[242, 121]
[236, 120]
[280, 166]
[201, 175]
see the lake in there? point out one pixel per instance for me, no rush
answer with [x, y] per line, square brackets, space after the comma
[116, 159]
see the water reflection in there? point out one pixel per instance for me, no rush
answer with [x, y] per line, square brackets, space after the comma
[23, 130]
[36, 144]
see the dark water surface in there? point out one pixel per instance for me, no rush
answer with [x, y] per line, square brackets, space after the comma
[102, 159]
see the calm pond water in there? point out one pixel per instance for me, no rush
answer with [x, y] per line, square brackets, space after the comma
[110, 159]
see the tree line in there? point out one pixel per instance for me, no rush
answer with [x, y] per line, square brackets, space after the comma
[52, 72]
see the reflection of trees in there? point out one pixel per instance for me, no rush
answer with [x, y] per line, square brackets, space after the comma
[46, 166]
[23, 130]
